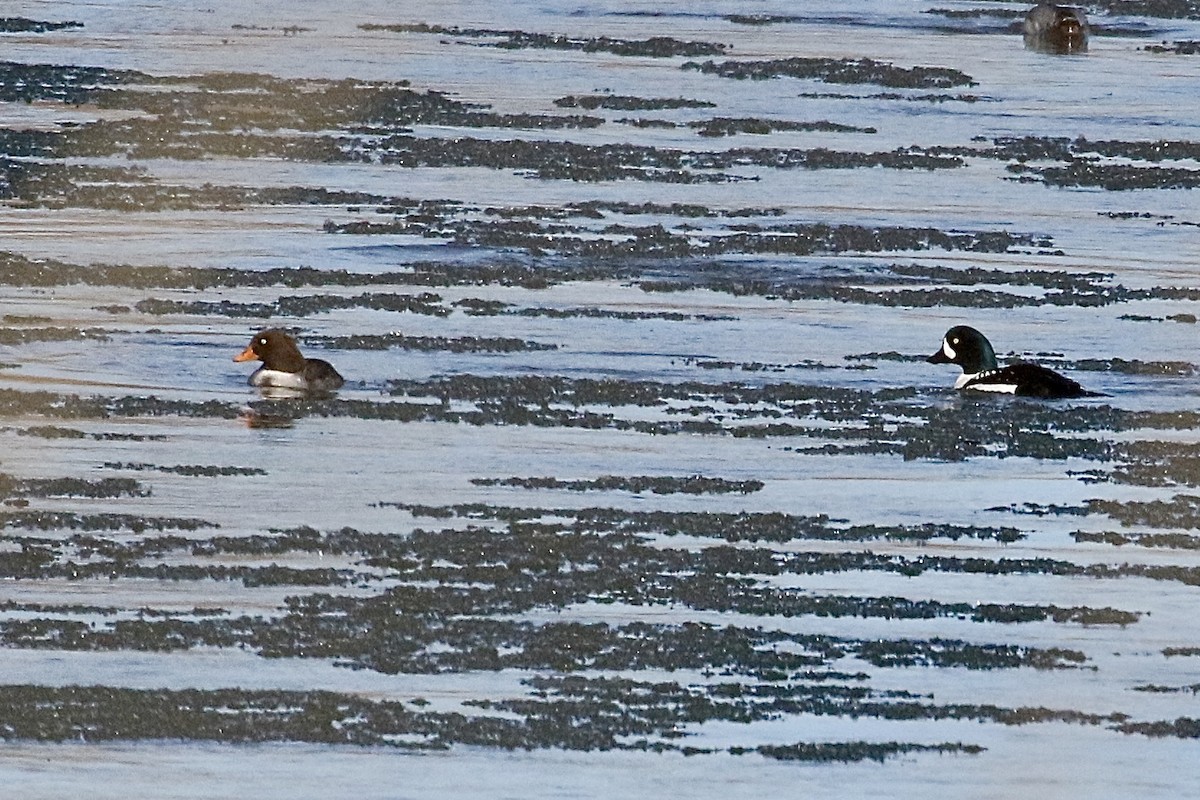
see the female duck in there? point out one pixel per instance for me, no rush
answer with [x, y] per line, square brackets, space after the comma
[1056, 29]
[285, 367]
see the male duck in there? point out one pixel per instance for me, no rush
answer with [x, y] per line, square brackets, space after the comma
[970, 349]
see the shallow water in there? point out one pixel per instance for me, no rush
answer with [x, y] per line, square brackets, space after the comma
[640, 482]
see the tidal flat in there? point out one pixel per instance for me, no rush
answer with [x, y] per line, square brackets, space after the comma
[639, 483]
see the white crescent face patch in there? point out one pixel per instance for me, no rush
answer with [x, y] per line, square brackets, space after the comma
[947, 350]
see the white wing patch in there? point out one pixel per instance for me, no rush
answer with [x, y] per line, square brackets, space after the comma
[998, 388]
[978, 382]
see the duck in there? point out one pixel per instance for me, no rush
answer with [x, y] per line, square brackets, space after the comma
[1056, 29]
[970, 349]
[284, 366]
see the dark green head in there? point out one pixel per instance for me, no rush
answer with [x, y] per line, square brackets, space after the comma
[966, 347]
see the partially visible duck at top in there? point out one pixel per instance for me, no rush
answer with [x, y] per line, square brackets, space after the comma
[970, 349]
[1056, 29]
[284, 367]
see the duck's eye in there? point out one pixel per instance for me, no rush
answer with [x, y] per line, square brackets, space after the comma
[955, 340]
[262, 341]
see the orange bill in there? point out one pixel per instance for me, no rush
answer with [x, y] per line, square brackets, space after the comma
[246, 355]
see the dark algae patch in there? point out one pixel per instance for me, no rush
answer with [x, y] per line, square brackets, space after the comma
[696, 484]
[454, 612]
[15, 336]
[1110, 165]
[654, 257]
[656, 47]
[616, 102]
[732, 527]
[727, 126]
[1166, 9]
[239, 116]
[194, 470]
[99, 714]
[617, 716]
[831, 70]
[301, 305]
[462, 344]
[897, 422]
[619, 241]
[69, 487]
[1183, 48]
[26, 25]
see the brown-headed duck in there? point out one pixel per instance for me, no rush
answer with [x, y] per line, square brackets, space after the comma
[1056, 29]
[285, 367]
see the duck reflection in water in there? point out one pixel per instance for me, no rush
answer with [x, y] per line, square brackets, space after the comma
[1056, 29]
[255, 419]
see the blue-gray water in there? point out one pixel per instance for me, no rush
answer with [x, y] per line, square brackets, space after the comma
[883, 588]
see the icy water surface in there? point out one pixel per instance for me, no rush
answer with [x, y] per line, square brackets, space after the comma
[640, 484]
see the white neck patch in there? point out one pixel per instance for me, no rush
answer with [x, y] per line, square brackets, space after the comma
[278, 378]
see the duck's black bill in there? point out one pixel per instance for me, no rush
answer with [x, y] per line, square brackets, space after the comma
[938, 358]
